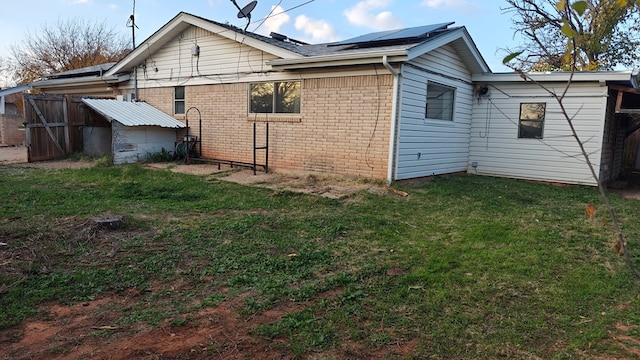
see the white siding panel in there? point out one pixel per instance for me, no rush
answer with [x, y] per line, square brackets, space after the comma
[220, 60]
[495, 146]
[431, 147]
[135, 143]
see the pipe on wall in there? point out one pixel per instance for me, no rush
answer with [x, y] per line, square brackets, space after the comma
[394, 120]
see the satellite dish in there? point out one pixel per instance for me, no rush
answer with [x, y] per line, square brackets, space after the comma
[246, 11]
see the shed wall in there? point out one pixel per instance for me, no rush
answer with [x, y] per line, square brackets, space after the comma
[496, 149]
[135, 143]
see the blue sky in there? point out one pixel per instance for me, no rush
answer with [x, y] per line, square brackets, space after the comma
[314, 21]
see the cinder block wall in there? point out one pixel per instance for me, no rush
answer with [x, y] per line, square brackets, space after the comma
[343, 127]
[10, 132]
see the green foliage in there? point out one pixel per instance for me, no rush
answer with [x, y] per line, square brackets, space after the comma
[464, 267]
[580, 35]
[159, 157]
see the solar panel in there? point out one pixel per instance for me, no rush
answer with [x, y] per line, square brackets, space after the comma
[392, 35]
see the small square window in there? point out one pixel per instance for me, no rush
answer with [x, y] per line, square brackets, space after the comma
[531, 122]
[178, 100]
[440, 100]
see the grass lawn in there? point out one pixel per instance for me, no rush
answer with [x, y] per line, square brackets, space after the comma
[465, 267]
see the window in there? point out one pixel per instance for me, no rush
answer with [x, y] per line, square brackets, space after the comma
[178, 100]
[440, 101]
[531, 120]
[275, 97]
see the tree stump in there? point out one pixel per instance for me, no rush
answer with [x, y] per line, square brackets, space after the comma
[108, 221]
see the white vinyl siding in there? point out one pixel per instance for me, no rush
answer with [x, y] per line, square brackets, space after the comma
[429, 147]
[221, 60]
[496, 150]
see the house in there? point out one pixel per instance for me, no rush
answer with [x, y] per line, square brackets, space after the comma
[356, 107]
[11, 118]
[519, 129]
[390, 105]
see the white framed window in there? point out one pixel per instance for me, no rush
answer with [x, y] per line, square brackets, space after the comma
[440, 102]
[531, 123]
[178, 100]
[280, 97]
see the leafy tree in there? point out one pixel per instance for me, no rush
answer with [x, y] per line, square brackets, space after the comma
[605, 35]
[67, 45]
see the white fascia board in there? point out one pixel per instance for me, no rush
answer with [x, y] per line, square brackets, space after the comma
[14, 90]
[338, 60]
[80, 81]
[458, 34]
[178, 24]
[559, 76]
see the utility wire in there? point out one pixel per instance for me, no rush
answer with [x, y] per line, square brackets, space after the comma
[280, 13]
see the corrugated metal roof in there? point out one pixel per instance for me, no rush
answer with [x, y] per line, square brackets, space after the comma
[133, 113]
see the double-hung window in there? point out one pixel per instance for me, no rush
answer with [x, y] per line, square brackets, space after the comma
[440, 102]
[178, 100]
[531, 121]
[275, 97]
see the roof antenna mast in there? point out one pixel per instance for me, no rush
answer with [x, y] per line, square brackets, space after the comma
[132, 24]
[245, 12]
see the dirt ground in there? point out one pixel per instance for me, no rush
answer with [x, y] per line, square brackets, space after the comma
[305, 182]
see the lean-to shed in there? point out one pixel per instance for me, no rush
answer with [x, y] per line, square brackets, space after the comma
[132, 131]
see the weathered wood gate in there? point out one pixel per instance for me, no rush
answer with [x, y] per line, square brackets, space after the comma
[54, 126]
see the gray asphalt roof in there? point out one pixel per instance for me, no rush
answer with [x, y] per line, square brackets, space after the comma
[331, 48]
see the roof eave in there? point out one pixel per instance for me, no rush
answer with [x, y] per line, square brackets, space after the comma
[80, 81]
[479, 65]
[373, 57]
[178, 24]
[15, 90]
[559, 76]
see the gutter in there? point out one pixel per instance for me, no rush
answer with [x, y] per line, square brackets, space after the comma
[394, 120]
[335, 60]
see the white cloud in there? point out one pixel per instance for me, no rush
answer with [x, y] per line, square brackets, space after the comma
[113, 6]
[214, 3]
[364, 14]
[274, 23]
[320, 30]
[463, 5]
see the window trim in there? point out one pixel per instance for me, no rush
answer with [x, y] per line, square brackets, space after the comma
[453, 103]
[540, 118]
[274, 98]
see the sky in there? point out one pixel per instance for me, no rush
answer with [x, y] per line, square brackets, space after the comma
[313, 21]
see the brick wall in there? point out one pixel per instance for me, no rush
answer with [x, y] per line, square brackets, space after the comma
[11, 132]
[343, 127]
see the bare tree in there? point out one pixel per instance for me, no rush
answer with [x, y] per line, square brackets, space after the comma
[606, 35]
[67, 45]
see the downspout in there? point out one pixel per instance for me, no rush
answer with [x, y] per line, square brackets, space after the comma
[394, 120]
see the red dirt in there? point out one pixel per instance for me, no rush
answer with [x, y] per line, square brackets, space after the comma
[86, 331]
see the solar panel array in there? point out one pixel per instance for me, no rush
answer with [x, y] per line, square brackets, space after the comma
[394, 35]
